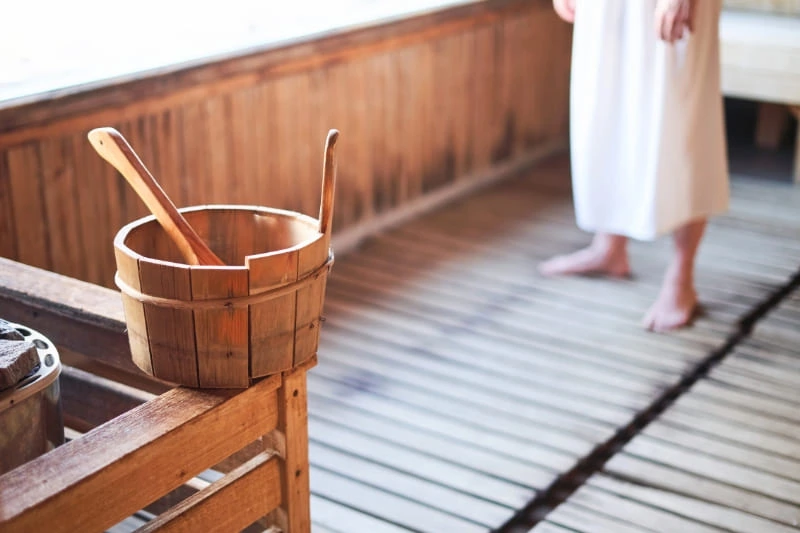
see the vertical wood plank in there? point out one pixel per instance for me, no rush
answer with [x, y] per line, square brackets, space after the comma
[302, 183]
[30, 214]
[557, 66]
[462, 130]
[447, 69]
[526, 65]
[514, 33]
[319, 122]
[244, 149]
[379, 174]
[426, 125]
[441, 77]
[222, 180]
[196, 175]
[93, 206]
[410, 99]
[267, 141]
[286, 135]
[221, 334]
[166, 139]
[482, 110]
[171, 331]
[358, 122]
[62, 214]
[8, 244]
[131, 206]
[501, 127]
[390, 158]
[335, 111]
[404, 136]
[113, 186]
[174, 126]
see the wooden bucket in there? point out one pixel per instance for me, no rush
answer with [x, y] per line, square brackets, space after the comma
[221, 327]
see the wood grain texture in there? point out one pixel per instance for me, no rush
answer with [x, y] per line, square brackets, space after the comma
[230, 504]
[89, 400]
[449, 367]
[135, 321]
[152, 447]
[221, 334]
[310, 299]
[272, 332]
[81, 316]
[246, 66]
[8, 244]
[724, 457]
[294, 514]
[420, 102]
[170, 332]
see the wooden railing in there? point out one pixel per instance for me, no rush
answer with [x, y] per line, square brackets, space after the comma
[143, 450]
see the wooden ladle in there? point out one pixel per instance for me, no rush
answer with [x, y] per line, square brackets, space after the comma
[113, 147]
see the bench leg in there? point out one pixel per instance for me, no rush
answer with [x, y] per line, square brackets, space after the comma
[294, 514]
[771, 124]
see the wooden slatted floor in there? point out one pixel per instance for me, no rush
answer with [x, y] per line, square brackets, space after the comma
[455, 384]
[724, 457]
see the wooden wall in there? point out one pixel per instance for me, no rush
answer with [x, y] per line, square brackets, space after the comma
[420, 103]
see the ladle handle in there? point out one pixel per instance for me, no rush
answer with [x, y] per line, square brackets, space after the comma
[328, 183]
[113, 147]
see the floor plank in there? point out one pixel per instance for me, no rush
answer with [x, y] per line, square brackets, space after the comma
[450, 372]
[726, 454]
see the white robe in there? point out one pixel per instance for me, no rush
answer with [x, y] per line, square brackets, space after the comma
[648, 146]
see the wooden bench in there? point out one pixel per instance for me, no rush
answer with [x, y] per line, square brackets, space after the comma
[761, 62]
[145, 451]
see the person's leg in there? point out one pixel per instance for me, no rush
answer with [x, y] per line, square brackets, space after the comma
[607, 254]
[676, 303]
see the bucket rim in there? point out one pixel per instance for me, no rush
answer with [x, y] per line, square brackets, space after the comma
[122, 234]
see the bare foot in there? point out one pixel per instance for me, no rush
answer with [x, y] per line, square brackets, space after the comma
[591, 260]
[674, 308]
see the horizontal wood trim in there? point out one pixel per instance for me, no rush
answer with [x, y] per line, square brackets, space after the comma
[131, 461]
[234, 502]
[156, 91]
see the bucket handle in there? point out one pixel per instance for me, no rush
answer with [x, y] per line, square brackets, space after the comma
[328, 183]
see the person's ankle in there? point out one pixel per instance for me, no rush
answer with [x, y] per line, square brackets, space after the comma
[609, 246]
[681, 274]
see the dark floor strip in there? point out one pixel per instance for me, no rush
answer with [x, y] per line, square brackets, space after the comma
[569, 482]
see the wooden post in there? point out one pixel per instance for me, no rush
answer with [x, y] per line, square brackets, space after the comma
[290, 440]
